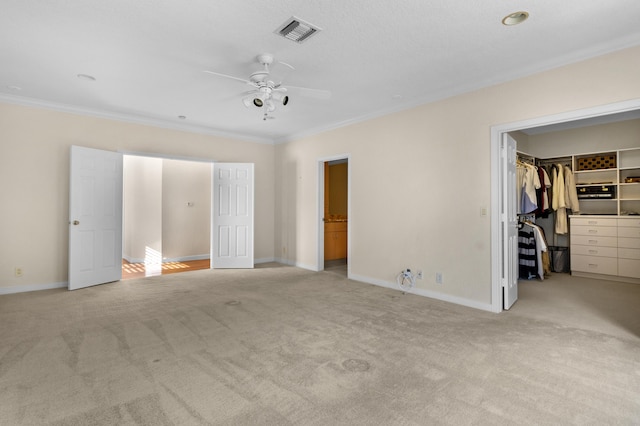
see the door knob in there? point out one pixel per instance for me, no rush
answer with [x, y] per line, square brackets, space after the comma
[76, 222]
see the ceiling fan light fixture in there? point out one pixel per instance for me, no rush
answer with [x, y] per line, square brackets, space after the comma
[270, 106]
[258, 102]
[285, 100]
[515, 18]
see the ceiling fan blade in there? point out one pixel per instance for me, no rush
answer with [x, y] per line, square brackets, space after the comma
[280, 76]
[229, 76]
[287, 65]
[314, 93]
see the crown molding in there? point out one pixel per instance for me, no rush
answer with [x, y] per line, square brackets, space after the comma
[145, 121]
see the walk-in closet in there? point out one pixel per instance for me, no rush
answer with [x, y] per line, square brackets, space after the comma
[579, 201]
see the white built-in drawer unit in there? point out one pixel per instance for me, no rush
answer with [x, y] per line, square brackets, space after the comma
[606, 246]
[629, 247]
[594, 264]
[593, 221]
[594, 245]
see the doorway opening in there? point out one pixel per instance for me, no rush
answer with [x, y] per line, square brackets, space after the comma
[166, 216]
[334, 234]
[502, 195]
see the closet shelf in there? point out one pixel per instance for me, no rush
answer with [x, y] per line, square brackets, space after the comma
[598, 184]
[594, 171]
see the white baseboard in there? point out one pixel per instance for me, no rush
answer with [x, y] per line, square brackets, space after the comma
[187, 258]
[368, 280]
[32, 287]
[298, 264]
[426, 293]
[196, 257]
[169, 259]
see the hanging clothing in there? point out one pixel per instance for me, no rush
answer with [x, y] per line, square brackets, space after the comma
[527, 268]
[570, 192]
[544, 205]
[529, 200]
[541, 247]
[532, 247]
[521, 172]
[559, 203]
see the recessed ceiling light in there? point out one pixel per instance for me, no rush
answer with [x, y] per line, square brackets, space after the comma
[515, 18]
[86, 77]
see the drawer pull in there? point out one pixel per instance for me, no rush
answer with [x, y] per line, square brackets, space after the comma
[593, 222]
[593, 251]
[593, 241]
[593, 265]
[593, 231]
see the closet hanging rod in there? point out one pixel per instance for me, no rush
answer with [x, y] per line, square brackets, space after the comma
[525, 158]
[565, 161]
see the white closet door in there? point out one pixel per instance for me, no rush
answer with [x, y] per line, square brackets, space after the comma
[509, 223]
[232, 218]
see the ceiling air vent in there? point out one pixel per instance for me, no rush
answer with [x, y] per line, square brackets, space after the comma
[297, 30]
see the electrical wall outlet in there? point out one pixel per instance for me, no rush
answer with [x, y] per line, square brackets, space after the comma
[419, 275]
[18, 271]
[438, 277]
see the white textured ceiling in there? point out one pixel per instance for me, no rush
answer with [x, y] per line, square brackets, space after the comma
[375, 56]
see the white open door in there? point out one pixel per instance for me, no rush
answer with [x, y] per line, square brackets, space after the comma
[232, 218]
[509, 222]
[95, 217]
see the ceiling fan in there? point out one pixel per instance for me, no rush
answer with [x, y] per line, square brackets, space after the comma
[266, 93]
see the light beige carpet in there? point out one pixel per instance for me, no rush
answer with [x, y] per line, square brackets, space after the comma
[283, 346]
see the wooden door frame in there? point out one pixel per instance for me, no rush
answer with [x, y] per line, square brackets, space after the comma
[498, 183]
[320, 210]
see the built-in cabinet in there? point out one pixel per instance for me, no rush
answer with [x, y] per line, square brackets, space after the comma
[616, 192]
[335, 240]
[605, 236]
[605, 247]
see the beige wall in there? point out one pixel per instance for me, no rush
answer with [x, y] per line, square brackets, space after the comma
[420, 178]
[186, 209]
[603, 137]
[142, 207]
[34, 182]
